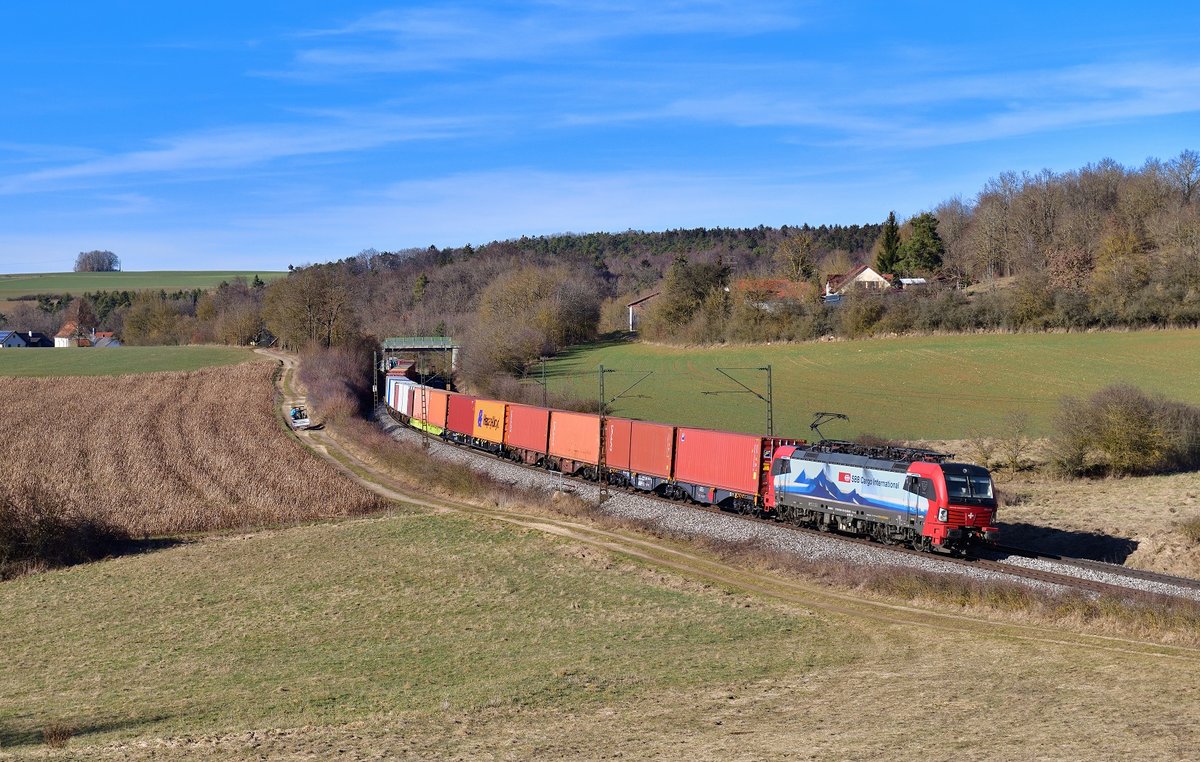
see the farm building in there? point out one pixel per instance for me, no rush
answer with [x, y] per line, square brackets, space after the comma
[769, 294]
[11, 340]
[67, 336]
[635, 310]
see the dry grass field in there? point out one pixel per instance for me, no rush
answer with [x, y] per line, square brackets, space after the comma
[427, 636]
[165, 453]
[1138, 521]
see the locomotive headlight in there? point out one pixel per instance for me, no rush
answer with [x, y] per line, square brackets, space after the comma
[943, 514]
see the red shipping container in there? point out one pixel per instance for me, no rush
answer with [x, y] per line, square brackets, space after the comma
[639, 447]
[412, 393]
[650, 448]
[718, 459]
[461, 416]
[528, 428]
[575, 436]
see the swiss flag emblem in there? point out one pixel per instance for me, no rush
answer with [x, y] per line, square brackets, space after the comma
[843, 477]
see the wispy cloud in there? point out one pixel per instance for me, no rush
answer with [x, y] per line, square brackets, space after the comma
[238, 147]
[918, 110]
[438, 36]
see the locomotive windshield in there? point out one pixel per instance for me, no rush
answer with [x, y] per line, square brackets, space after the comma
[970, 488]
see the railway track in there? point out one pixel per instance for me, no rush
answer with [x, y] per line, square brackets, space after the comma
[1061, 579]
[1100, 567]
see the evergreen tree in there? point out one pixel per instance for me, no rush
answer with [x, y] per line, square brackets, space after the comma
[923, 251]
[888, 259]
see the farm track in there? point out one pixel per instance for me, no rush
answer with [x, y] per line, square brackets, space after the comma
[678, 558]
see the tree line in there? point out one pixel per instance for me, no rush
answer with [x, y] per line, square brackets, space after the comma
[1100, 246]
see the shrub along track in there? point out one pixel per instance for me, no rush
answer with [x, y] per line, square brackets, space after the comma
[686, 561]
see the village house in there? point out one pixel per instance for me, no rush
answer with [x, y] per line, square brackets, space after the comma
[11, 340]
[862, 276]
[37, 340]
[70, 336]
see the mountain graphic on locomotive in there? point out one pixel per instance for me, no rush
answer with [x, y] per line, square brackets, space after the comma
[891, 494]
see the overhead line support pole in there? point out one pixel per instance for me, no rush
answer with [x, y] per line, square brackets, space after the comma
[601, 464]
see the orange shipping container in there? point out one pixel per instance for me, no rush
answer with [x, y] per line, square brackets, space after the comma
[435, 405]
[616, 443]
[489, 420]
[575, 436]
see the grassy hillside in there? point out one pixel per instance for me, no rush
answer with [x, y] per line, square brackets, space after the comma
[430, 636]
[88, 361]
[12, 286]
[940, 387]
[391, 617]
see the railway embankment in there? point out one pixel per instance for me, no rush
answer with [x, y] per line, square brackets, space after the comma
[766, 538]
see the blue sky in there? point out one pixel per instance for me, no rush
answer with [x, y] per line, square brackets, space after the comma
[254, 135]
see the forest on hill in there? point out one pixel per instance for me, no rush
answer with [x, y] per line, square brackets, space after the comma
[1101, 246]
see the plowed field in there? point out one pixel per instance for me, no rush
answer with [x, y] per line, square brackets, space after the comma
[162, 453]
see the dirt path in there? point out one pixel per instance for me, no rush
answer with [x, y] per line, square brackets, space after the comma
[679, 558]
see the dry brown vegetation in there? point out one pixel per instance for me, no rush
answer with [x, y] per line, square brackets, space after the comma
[166, 453]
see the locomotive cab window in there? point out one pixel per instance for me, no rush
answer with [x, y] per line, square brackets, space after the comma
[781, 466]
[910, 484]
[970, 489]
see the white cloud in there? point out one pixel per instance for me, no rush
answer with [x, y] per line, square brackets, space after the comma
[237, 147]
[434, 37]
[921, 110]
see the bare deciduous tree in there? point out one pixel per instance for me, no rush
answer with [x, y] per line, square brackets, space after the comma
[97, 261]
[1184, 172]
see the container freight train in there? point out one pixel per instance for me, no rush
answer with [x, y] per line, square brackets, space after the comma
[894, 495]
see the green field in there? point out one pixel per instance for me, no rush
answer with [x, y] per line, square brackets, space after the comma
[943, 387]
[116, 361]
[13, 286]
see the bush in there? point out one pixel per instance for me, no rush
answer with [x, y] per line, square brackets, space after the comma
[57, 734]
[1122, 431]
[860, 313]
[1191, 529]
[41, 527]
[338, 379]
